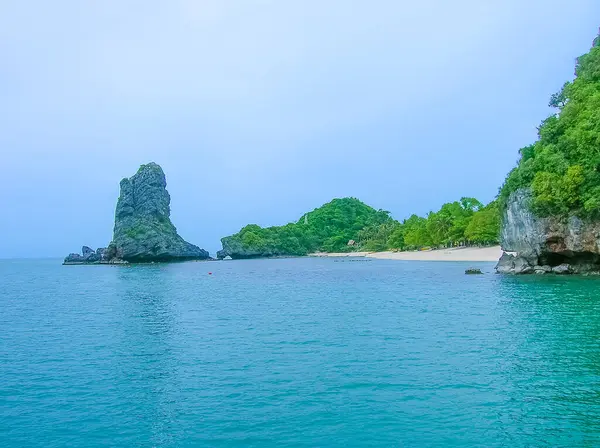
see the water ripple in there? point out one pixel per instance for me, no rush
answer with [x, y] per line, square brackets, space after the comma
[303, 352]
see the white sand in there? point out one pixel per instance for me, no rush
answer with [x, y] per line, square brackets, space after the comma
[454, 254]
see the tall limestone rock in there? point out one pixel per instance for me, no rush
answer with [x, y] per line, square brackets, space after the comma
[143, 229]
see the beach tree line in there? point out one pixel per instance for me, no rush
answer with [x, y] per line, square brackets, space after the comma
[460, 223]
[347, 224]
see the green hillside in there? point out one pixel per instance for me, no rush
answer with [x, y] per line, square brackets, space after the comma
[328, 228]
[562, 167]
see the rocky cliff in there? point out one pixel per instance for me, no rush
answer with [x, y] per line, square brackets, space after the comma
[143, 230]
[559, 245]
[233, 247]
[91, 256]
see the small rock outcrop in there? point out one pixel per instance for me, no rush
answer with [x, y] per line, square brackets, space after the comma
[473, 271]
[90, 256]
[233, 247]
[546, 245]
[143, 230]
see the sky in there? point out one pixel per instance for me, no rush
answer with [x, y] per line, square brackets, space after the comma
[261, 110]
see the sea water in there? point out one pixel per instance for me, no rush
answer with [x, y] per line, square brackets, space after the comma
[296, 352]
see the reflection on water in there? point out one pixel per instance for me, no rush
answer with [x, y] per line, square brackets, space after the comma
[146, 342]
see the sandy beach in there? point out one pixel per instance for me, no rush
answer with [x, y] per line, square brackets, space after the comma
[453, 254]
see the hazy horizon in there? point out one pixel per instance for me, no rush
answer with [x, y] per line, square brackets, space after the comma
[260, 111]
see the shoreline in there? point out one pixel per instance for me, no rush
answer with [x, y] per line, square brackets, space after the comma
[474, 254]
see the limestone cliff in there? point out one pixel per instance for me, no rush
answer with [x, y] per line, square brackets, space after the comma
[551, 244]
[143, 230]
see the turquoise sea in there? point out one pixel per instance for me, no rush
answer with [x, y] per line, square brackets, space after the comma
[296, 352]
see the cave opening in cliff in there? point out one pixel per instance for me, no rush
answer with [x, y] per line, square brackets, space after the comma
[573, 258]
[553, 259]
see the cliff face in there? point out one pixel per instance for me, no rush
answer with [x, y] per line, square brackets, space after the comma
[143, 228]
[233, 247]
[91, 256]
[551, 244]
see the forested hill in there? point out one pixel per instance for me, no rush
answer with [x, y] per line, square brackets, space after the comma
[328, 228]
[562, 168]
[348, 224]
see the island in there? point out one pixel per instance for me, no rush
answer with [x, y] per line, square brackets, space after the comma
[143, 230]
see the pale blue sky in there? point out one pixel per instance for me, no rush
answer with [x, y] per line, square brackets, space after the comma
[260, 110]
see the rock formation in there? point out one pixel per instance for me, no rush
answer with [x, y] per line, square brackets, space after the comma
[90, 256]
[143, 230]
[233, 247]
[544, 245]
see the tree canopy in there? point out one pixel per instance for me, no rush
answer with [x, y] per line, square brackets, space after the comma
[456, 223]
[562, 168]
[328, 228]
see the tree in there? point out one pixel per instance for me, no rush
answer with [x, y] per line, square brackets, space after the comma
[559, 100]
[470, 204]
[396, 239]
[484, 226]
[416, 234]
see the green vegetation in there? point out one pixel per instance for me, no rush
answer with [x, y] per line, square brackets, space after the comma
[135, 232]
[460, 223]
[327, 228]
[563, 167]
[345, 225]
[140, 229]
